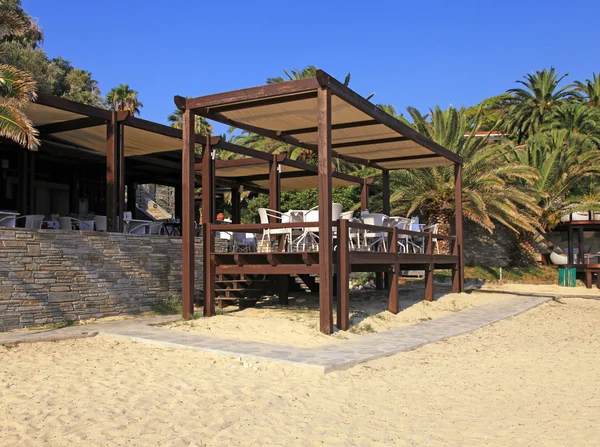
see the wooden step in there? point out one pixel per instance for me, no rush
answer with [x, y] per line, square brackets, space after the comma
[238, 290]
[243, 281]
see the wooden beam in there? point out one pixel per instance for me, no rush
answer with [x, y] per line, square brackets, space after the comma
[369, 142]
[162, 129]
[121, 172]
[458, 280]
[66, 126]
[343, 276]
[274, 185]
[340, 126]
[187, 218]
[262, 102]
[405, 158]
[248, 94]
[325, 214]
[393, 305]
[384, 118]
[73, 107]
[112, 153]
[208, 212]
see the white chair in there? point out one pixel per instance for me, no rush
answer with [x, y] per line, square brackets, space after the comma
[156, 227]
[375, 239]
[8, 220]
[264, 215]
[354, 232]
[137, 227]
[559, 259]
[580, 216]
[243, 242]
[434, 229]
[100, 223]
[33, 221]
[66, 223]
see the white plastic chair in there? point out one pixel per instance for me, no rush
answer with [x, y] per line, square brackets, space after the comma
[33, 221]
[66, 223]
[100, 223]
[434, 229]
[8, 221]
[375, 239]
[264, 215]
[156, 228]
[243, 242]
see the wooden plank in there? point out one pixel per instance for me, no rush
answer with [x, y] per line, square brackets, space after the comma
[343, 277]
[112, 153]
[187, 218]
[66, 126]
[368, 142]
[385, 191]
[73, 107]
[429, 293]
[208, 211]
[248, 94]
[340, 126]
[460, 287]
[256, 269]
[262, 102]
[405, 158]
[121, 172]
[364, 196]
[325, 214]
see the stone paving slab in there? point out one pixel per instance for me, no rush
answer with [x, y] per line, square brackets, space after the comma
[327, 358]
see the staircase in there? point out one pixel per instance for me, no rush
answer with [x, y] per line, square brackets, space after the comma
[303, 283]
[243, 289]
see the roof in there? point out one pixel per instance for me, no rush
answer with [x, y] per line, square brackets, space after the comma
[62, 120]
[360, 132]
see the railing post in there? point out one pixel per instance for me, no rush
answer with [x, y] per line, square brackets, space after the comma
[208, 213]
[455, 268]
[343, 275]
[393, 281]
[429, 268]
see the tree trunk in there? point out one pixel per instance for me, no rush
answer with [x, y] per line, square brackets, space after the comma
[525, 251]
[442, 219]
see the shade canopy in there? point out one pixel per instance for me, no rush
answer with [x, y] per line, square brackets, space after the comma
[360, 131]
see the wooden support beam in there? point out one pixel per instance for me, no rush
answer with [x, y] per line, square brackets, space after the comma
[66, 126]
[121, 171]
[187, 218]
[340, 126]
[343, 276]
[325, 213]
[581, 255]
[235, 205]
[570, 244]
[112, 154]
[208, 217]
[274, 186]
[458, 277]
[405, 158]
[429, 294]
[393, 305]
[368, 142]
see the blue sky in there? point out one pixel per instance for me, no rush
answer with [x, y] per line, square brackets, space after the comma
[407, 53]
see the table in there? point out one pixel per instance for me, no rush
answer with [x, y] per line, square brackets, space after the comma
[172, 228]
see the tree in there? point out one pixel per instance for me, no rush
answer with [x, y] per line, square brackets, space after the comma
[492, 111]
[201, 125]
[17, 89]
[494, 190]
[579, 119]
[532, 105]
[590, 90]
[123, 98]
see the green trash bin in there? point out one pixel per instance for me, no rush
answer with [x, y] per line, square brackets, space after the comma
[567, 276]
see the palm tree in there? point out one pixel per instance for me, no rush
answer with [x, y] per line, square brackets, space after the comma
[201, 125]
[17, 89]
[532, 105]
[494, 190]
[123, 98]
[579, 119]
[590, 90]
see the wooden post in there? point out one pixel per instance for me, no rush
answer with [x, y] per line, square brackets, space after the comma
[325, 214]
[112, 153]
[121, 171]
[235, 205]
[364, 196]
[343, 275]
[581, 256]
[393, 283]
[274, 185]
[570, 244]
[429, 269]
[208, 216]
[458, 280]
[131, 196]
[187, 219]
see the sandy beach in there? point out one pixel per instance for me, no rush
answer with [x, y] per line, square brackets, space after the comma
[528, 380]
[297, 325]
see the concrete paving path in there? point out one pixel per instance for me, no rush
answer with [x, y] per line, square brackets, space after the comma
[327, 358]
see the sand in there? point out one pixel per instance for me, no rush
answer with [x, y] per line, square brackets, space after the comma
[546, 288]
[297, 325]
[531, 380]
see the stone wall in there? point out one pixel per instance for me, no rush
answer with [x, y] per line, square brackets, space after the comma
[49, 276]
[483, 248]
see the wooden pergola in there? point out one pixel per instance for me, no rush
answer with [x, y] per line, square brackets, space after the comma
[322, 115]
